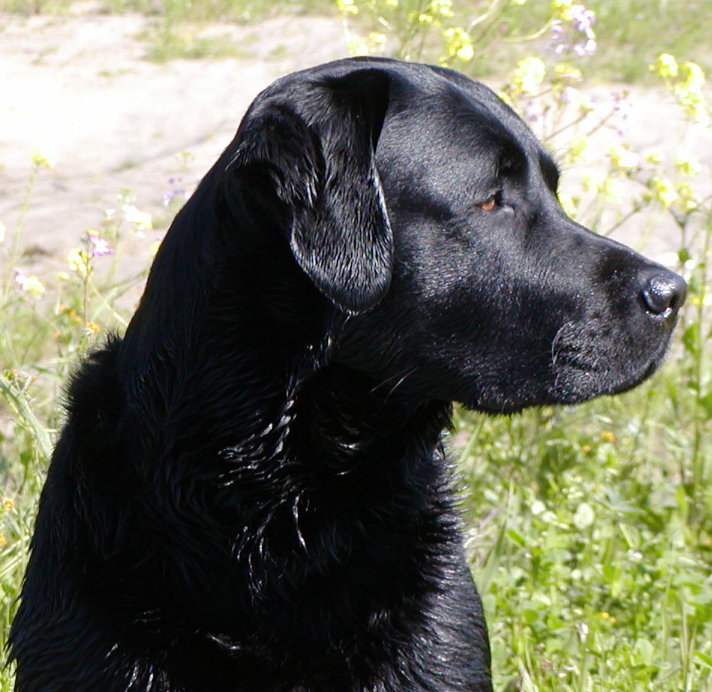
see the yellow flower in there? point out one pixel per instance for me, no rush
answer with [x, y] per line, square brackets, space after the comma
[425, 18]
[577, 149]
[93, 327]
[562, 9]
[30, 285]
[3, 541]
[8, 504]
[623, 157]
[141, 219]
[666, 66]
[663, 191]
[689, 92]
[687, 164]
[608, 436]
[528, 76]
[78, 261]
[347, 6]
[564, 71]
[569, 204]
[376, 39]
[687, 197]
[441, 7]
[612, 190]
[458, 44]
[357, 46]
[44, 158]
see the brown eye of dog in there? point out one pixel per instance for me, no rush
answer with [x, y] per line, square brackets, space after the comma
[489, 205]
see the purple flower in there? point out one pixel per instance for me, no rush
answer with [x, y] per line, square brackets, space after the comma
[98, 246]
[575, 34]
[176, 191]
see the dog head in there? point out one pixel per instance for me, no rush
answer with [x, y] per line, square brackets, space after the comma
[424, 209]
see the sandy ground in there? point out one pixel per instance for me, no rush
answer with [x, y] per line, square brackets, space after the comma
[80, 88]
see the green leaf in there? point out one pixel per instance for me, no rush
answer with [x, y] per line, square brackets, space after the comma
[706, 404]
[692, 338]
[704, 658]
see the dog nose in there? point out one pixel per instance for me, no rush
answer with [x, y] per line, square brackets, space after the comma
[664, 293]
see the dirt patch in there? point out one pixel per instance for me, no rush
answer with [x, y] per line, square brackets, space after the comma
[80, 88]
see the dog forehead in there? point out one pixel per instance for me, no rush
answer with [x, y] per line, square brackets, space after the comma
[458, 109]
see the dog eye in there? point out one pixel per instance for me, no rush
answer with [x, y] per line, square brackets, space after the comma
[489, 205]
[492, 203]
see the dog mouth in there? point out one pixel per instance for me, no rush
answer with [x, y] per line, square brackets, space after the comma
[581, 374]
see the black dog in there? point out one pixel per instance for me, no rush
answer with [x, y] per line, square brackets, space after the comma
[250, 494]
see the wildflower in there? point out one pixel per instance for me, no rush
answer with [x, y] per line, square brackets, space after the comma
[608, 436]
[30, 285]
[357, 46]
[623, 158]
[565, 72]
[687, 197]
[79, 262]
[176, 190]
[689, 92]
[3, 541]
[141, 219]
[583, 20]
[687, 164]
[425, 18]
[561, 7]
[572, 20]
[577, 149]
[663, 191]
[99, 247]
[377, 40]
[569, 204]
[92, 327]
[612, 190]
[44, 159]
[8, 504]
[537, 508]
[347, 6]
[441, 7]
[584, 516]
[666, 66]
[528, 76]
[459, 44]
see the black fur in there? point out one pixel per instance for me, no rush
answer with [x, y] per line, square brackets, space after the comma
[250, 494]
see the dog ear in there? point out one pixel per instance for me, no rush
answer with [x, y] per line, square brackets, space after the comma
[310, 149]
